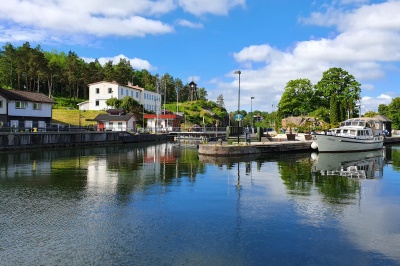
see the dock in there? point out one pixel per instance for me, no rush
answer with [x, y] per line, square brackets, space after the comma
[275, 145]
[223, 149]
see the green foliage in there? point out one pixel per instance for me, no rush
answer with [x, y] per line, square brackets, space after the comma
[131, 105]
[383, 109]
[67, 75]
[321, 114]
[394, 112]
[334, 115]
[196, 110]
[66, 103]
[113, 102]
[339, 84]
[370, 114]
[337, 91]
[297, 98]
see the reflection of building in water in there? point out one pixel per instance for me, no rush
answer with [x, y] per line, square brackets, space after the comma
[137, 166]
[356, 165]
[30, 168]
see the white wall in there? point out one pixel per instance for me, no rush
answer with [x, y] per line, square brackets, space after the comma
[102, 96]
[151, 100]
[125, 126]
[46, 110]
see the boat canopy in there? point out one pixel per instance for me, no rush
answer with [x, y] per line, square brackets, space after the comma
[362, 122]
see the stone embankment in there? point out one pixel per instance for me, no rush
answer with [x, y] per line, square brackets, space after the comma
[40, 140]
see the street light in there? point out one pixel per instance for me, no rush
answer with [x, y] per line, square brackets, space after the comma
[238, 72]
[251, 112]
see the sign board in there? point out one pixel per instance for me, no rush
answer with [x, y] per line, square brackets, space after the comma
[238, 117]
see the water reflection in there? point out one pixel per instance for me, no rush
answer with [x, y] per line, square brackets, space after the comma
[368, 164]
[165, 204]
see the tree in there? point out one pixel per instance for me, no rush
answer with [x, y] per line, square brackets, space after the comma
[383, 109]
[114, 102]
[338, 83]
[297, 98]
[38, 64]
[202, 93]
[334, 110]
[7, 65]
[131, 105]
[370, 114]
[123, 72]
[220, 100]
[394, 112]
[108, 70]
[321, 114]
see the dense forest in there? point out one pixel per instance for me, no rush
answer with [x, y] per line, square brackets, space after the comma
[66, 75]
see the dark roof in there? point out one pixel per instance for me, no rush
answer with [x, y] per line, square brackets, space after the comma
[107, 117]
[16, 95]
[117, 111]
[382, 118]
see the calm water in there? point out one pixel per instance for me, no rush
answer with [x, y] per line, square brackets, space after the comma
[166, 205]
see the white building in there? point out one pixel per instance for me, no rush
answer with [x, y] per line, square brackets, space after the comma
[24, 109]
[116, 120]
[100, 92]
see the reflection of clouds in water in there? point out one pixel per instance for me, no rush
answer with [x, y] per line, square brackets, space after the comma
[314, 211]
[373, 225]
[370, 223]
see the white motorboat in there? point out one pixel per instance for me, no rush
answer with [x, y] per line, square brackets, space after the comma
[356, 134]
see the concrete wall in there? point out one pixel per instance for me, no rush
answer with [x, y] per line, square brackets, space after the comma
[10, 141]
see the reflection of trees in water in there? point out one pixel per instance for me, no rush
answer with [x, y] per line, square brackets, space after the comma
[393, 156]
[299, 180]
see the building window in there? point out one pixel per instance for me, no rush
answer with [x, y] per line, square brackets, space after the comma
[131, 93]
[137, 94]
[109, 90]
[97, 103]
[37, 106]
[111, 124]
[97, 90]
[119, 124]
[20, 105]
[1, 103]
[122, 91]
[126, 93]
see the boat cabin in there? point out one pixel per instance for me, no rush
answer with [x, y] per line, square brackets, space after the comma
[361, 128]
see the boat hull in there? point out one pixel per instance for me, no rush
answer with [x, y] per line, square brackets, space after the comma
[329, 143]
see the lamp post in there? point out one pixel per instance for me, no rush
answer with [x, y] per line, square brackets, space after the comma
[238, 72]
[251, 112]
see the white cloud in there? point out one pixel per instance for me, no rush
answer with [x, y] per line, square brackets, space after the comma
[92, 17]
[257, 53]
[216, 7]
[188, 24]
[366, 43]
[64, 19]
[136, 63]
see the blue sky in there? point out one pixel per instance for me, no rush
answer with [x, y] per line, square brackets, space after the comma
[270, 41]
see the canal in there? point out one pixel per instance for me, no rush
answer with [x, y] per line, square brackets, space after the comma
[164, 204]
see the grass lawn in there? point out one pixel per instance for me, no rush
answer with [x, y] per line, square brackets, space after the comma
[67, 116]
